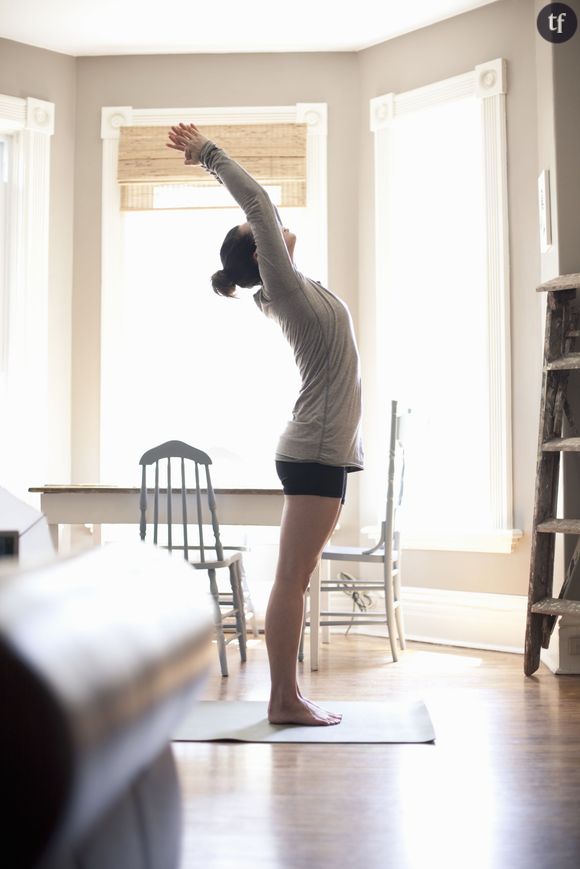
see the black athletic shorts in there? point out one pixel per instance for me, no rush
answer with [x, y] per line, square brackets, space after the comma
[312, 478]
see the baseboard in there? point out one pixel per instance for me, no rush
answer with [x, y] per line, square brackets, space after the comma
[468, 619]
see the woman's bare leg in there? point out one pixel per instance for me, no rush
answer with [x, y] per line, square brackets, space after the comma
[307, 523]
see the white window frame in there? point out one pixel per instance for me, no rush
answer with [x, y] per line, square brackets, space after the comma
[487, 82]
[30, 124]
[314, 115]
[4, 255]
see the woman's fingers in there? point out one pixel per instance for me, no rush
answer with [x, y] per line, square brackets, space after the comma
[187, 138]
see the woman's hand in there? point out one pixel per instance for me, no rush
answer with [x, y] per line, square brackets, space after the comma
[187, 138]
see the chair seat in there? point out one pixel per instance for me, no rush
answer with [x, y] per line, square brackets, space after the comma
[212, 563]
[217, 563]
[355, 553]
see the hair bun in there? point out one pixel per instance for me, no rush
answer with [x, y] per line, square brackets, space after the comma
[223, 283]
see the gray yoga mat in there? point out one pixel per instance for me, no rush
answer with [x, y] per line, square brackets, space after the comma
[362, 721]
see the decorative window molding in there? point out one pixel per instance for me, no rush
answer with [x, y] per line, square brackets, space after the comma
[30, 124]
[488, 82]
[113, 118]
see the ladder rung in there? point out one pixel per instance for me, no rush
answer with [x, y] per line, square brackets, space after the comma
[564, 363]
[555, 606]
[564, 445]
[560, 526]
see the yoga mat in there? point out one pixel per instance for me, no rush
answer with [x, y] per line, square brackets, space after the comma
[362, 721]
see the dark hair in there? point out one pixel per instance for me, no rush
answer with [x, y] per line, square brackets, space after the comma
[239, 266]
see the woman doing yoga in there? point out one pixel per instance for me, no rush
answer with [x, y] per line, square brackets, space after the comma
[321, 443]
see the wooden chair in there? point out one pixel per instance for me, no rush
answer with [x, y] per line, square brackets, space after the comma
[386, 551]
[196, 499]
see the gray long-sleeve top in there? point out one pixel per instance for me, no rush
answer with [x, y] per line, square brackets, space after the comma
[326, 419]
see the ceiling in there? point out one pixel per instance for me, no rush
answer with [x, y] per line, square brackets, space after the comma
[104, 27]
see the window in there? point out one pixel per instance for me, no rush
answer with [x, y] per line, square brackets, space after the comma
[26, 127]
[4, 251]
[443, 302]
[178, 361]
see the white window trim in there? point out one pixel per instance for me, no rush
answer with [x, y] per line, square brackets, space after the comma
[115, 117]
[25, 337]
[487, 81]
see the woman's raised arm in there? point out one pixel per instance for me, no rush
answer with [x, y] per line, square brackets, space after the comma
[274, 262]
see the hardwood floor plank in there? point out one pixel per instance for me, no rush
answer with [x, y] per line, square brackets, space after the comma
[498, 790]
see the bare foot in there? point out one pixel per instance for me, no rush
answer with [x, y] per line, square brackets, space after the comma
[300, 711]
[315, 707]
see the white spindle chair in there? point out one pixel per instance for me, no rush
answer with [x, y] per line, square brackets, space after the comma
[386, 551]
[197, 499]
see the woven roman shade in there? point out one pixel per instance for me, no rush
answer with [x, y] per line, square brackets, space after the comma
[274, 154]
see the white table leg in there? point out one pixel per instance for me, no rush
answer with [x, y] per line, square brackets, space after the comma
[61, 538]
[53, 530]
[314, 617]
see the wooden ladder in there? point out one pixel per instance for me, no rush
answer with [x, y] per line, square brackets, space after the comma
[559, 360]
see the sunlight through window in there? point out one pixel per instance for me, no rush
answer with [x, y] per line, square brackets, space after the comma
[211, 371]
[436, 356]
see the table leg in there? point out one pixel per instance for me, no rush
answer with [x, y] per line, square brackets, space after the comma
[61, 537]
[54, 536]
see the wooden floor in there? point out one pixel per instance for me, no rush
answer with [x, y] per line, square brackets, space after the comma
[499, 788]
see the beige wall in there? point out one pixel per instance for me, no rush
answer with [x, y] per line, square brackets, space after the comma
[32, 72]
[452, 47]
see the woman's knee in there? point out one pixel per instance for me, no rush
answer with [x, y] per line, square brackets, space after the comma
[294, 575]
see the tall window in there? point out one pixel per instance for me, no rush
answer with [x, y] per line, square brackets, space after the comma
[437, 352]
[4, 258]
[197, 367]
[178, 361]
[443, 302]
[26, 127]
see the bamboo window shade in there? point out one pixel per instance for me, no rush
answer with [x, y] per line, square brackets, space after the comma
[274, 154]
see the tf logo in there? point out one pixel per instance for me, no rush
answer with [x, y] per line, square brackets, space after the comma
[557, 22]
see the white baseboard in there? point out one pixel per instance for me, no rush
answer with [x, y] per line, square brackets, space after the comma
[472, 620]
[468, 619]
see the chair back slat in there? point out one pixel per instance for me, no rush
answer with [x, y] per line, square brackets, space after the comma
[396, 472]
[143, 504]
[169, 493]
[213, 511]
[156, 503]
[184, 508]
[199, 514]
[389, 513]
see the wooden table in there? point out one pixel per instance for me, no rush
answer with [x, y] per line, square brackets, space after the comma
[115, 505]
